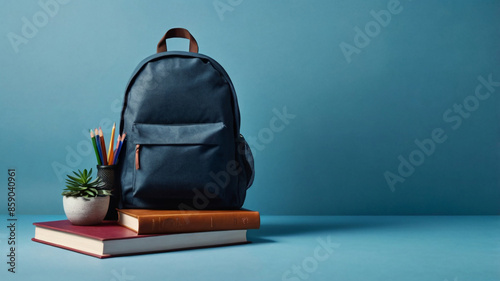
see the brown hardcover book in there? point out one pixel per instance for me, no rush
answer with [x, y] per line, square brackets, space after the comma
[175, 221]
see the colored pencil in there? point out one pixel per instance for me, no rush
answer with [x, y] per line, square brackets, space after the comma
[103, 147]
[110, 151]
[114, 151]
[115, 155]
[113, 161]
[95, 147]
[98, 141]
[119, 147]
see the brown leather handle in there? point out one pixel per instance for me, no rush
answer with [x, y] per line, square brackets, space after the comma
[177, 33]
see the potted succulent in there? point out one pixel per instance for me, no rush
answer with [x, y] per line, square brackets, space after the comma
[85, 203]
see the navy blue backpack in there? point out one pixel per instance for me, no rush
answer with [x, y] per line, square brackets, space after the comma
[183, 147]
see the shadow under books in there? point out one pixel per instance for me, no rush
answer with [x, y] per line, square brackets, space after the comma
[292, 226]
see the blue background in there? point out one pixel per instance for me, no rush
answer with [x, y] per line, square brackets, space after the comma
[352, 119]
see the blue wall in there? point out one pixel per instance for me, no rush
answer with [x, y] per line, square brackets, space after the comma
[383, 112]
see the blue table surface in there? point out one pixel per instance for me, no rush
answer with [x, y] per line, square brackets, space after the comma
[295, 248]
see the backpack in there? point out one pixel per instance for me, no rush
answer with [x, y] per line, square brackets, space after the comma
[183, 147]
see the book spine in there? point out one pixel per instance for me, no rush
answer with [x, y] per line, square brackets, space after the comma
[198, 223]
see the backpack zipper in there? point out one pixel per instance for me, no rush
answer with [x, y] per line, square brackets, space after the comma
[137, 147]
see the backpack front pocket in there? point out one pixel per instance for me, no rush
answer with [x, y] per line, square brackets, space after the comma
[177, 161]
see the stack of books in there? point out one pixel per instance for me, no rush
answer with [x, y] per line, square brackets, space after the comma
[140, 231]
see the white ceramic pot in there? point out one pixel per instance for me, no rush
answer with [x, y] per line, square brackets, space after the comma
[81, 211]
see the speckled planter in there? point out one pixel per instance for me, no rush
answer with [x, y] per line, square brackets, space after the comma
[81, 211]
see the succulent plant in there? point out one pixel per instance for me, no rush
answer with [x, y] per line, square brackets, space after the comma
[83, 186]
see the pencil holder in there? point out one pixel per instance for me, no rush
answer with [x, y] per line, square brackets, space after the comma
[107, 175]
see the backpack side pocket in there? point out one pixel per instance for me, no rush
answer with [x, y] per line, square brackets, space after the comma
[247, 159]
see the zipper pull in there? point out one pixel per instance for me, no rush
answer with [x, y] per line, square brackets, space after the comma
[137, 147]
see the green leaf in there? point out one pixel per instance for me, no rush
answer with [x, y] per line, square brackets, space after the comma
[97, 183]
[89, 193]
[88, 180]
[75, 179]
[104, 192]
[72, 183]
[70, 193]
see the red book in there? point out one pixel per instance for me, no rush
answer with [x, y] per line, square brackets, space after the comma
[110, 239]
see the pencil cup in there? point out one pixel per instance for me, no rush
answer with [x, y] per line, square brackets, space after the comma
[108, 177]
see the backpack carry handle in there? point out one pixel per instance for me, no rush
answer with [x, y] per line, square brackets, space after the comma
[177, 33]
